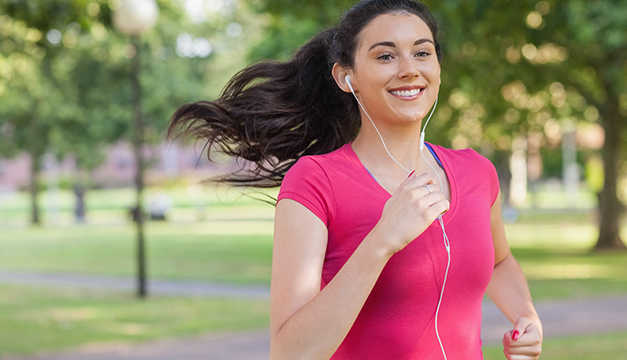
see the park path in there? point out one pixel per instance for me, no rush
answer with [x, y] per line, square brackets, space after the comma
[157, 287]
[560, 318]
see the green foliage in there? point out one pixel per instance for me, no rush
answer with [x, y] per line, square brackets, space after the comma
[289, 26]
[75, 88]
[47, 15]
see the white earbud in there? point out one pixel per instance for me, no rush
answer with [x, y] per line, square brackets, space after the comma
[347, 78]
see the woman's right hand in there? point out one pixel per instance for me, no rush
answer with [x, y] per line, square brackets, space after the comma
[415, 204]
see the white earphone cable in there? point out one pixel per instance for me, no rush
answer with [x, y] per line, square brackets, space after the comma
[375, 127]
[447, 244]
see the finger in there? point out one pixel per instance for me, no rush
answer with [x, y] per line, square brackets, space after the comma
[440, 206]
[520, 326]
[417, 180]
[410, 178]
[414, 181]
[426, 189]
[435, 199]
[525, 352]
[424, 179]
[530, 337]
[527, 339]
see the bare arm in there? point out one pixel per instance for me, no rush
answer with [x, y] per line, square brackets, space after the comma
[307, 323]
[508, 289]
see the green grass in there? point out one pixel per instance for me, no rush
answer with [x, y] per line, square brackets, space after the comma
[555, 256]
[589, 347]
[198, 251]
[231, 243]
[110, 206]
[555, 253]
[39, 319]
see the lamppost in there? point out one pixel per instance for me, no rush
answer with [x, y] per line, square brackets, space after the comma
[133, 17]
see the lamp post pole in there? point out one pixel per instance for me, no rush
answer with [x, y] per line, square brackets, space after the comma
[138, 142]
[134, 17]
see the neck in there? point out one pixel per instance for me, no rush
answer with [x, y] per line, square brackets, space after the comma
[402, 142]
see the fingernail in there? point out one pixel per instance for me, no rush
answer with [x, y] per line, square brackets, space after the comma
[411, 173]
[515, 335]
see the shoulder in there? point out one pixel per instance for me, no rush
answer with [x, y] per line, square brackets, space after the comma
[311, 181]
[471, 166]
[318, 165]
[465, 158]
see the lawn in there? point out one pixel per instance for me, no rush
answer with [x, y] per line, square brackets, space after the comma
[220, 235]
[197, 251]
[554, 250]
[231, 242]
[36, 319]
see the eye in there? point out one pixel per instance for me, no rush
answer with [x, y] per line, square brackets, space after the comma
[385, 57]
[423, 53]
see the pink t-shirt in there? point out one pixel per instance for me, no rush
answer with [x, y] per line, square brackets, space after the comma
[397, 320]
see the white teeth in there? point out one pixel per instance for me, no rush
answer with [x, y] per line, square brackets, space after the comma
[406, 93]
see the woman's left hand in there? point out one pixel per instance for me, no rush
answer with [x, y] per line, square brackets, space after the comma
[524, 342]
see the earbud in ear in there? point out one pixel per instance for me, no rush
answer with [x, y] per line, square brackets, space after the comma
[348, 82]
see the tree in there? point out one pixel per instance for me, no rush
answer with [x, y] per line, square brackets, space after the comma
[594, 34]
[64, 82]
[34, 99]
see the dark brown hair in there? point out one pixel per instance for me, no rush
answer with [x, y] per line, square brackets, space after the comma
[272, 113]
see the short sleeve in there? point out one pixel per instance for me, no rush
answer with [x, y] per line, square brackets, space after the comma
[307, 183]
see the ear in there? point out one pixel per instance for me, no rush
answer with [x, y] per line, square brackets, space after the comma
[339, 74]
[440, 76]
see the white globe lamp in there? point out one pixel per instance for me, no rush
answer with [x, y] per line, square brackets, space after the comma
[134, 17]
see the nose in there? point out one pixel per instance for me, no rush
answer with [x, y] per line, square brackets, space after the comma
[408, 68]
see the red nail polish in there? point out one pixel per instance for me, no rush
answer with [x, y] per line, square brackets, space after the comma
[515, 335]
[411, 173]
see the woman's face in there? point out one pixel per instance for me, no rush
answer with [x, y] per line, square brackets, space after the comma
[396, 73]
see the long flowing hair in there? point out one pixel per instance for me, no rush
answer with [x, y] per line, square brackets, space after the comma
[272, 113]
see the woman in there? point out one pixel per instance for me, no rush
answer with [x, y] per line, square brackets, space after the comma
[381, 251]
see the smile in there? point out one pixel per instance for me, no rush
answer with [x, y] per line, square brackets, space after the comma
[406, 93]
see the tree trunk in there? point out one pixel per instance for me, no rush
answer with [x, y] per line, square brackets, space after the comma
[79, 208]
[610, 207]
[35, 146]
[33, 188]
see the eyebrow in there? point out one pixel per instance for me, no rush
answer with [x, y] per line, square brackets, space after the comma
[392, 44]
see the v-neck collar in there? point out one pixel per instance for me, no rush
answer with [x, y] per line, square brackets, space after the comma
[441, 155]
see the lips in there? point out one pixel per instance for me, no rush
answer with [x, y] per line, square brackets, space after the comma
[407, 92]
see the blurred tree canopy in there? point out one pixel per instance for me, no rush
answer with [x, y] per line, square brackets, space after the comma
[511, 69]
[65, 74]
